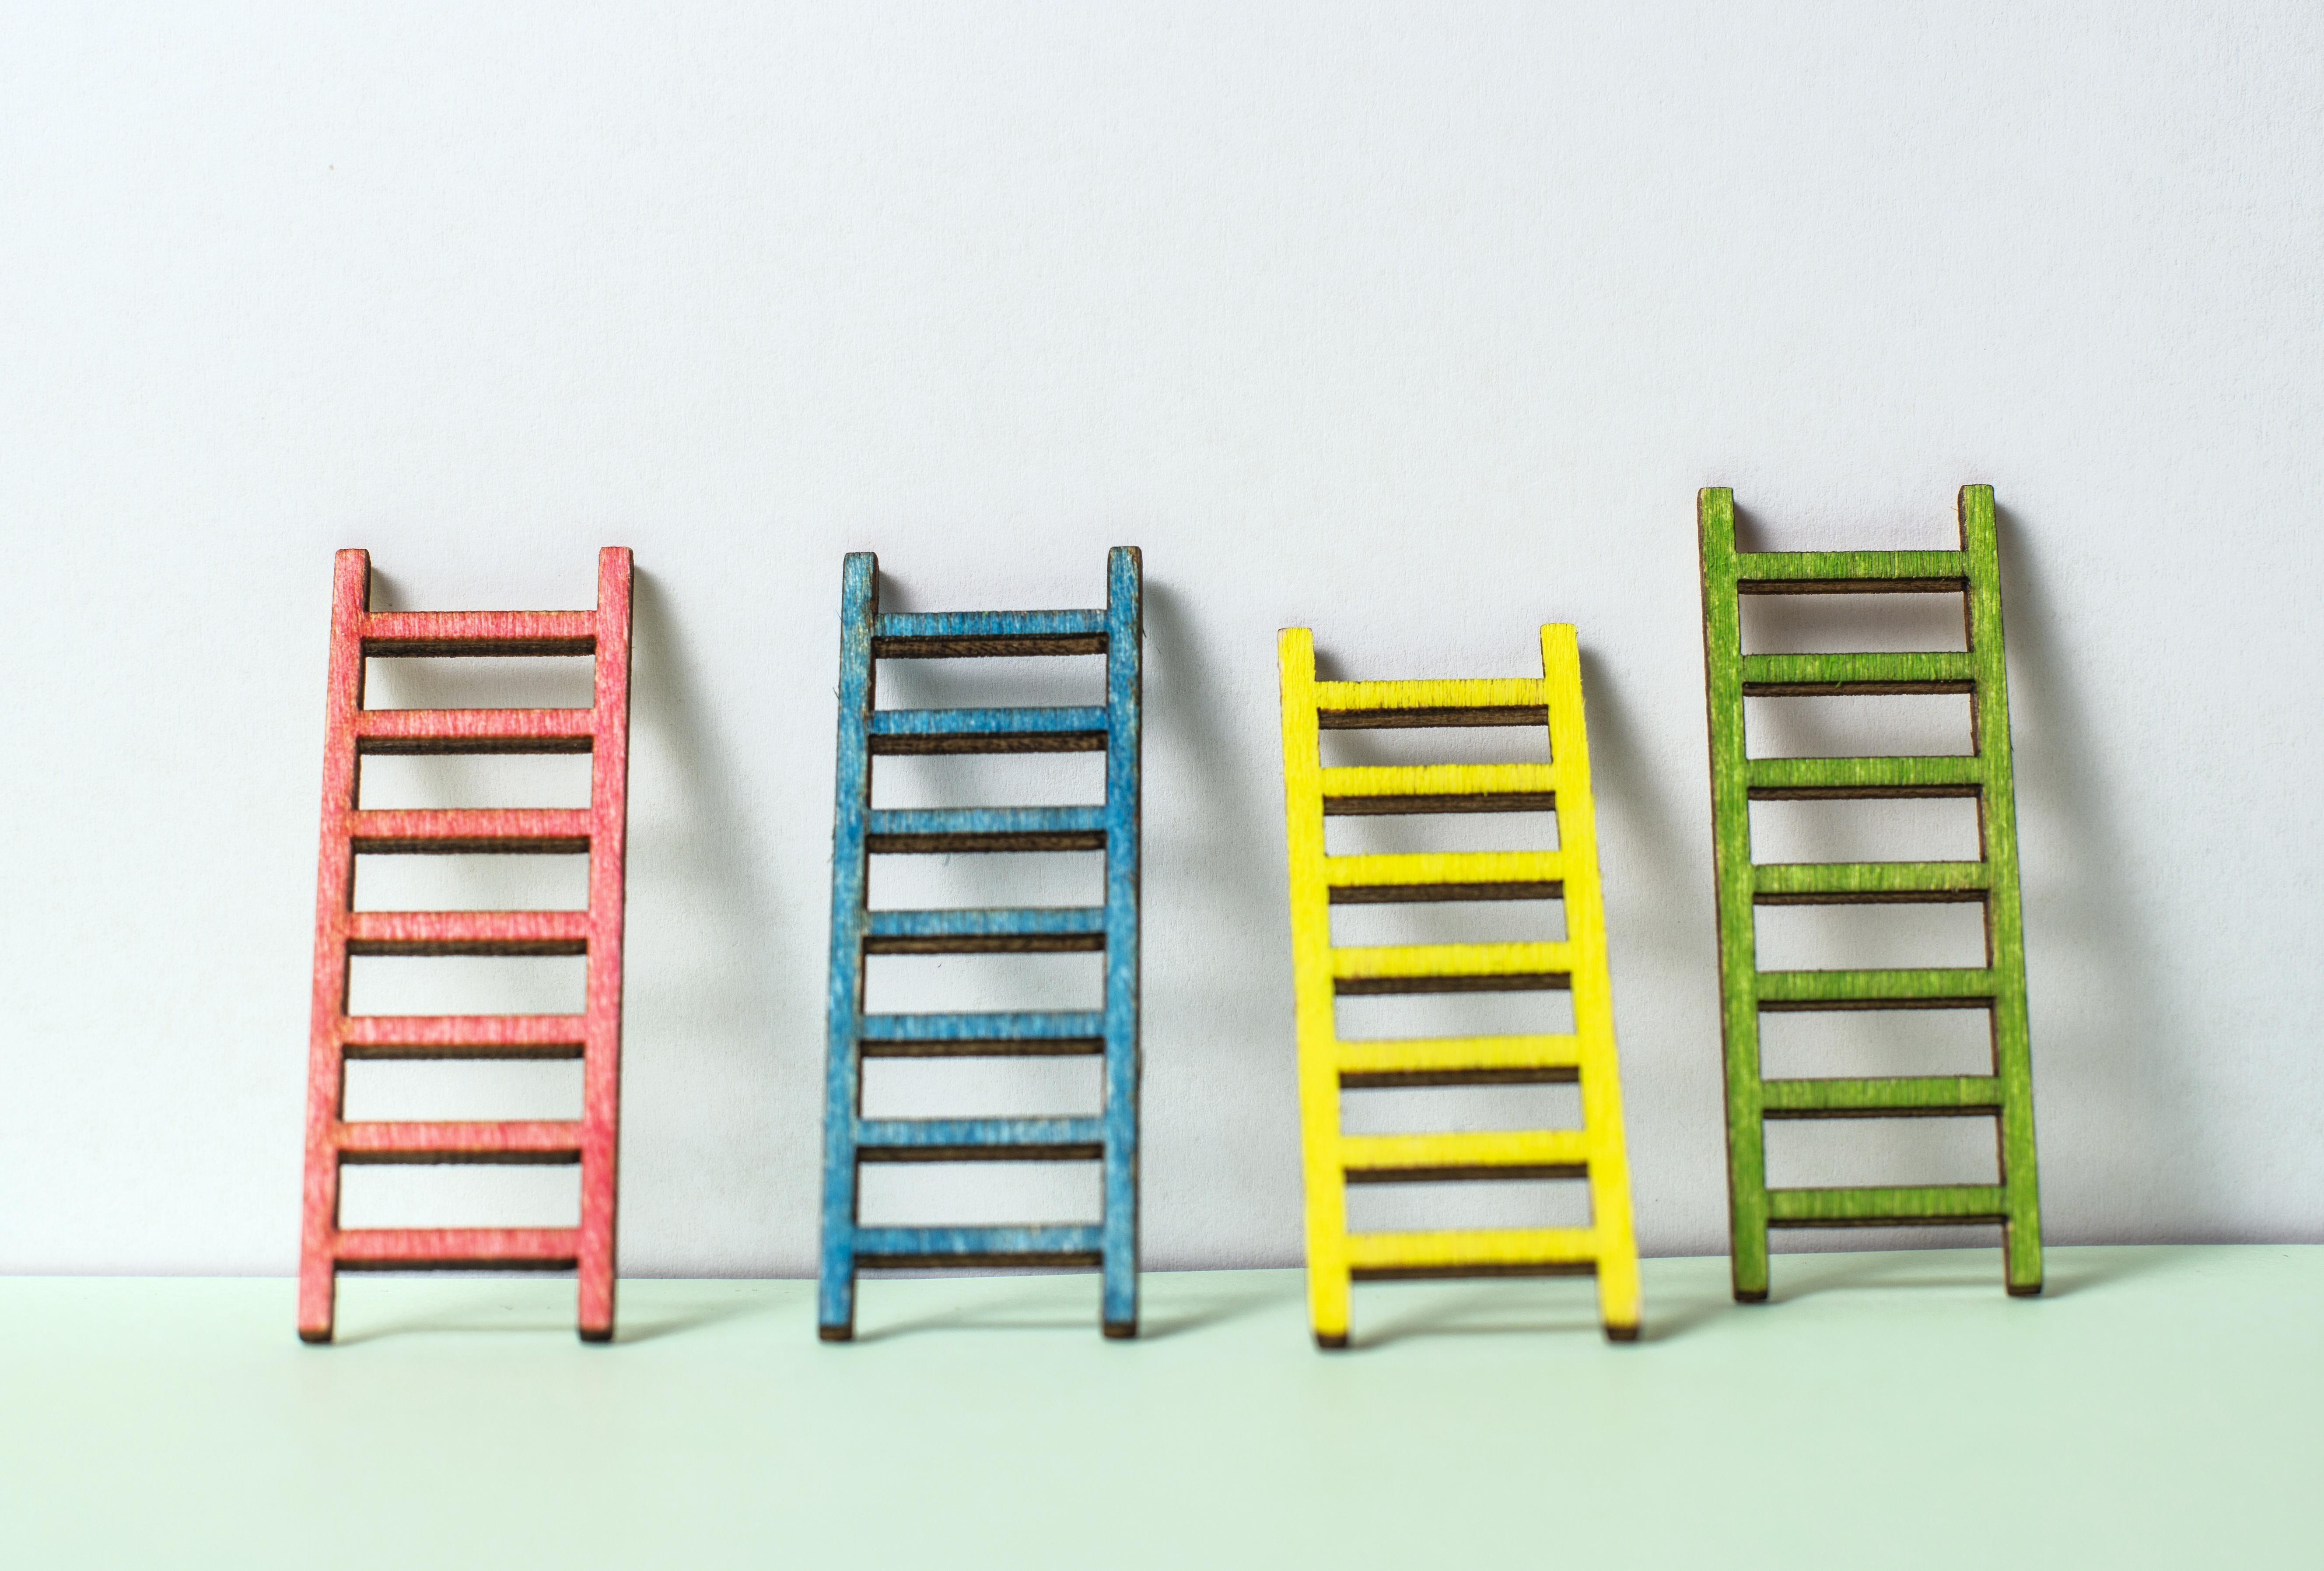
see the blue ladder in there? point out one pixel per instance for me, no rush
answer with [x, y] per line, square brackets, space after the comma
[860, 832]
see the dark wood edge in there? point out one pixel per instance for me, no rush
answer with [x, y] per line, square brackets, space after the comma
[985, 944]
[1423, 718]
[1511, 982]
[1427, 893]
[1453, 802]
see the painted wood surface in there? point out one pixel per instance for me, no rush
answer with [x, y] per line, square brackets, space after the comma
[860, 832]
[1322, 974]
[595, 1036]
[1985, 775]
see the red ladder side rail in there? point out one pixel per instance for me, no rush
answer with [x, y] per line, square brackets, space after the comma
[595, 1037]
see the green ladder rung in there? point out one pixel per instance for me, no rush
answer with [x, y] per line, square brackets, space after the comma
[1984, 776]
[1815, 675]
[1867, 882]
[1935, 988]
[1842, 572]
[1939, 1203]
[1902, 1096]
[1776, 779]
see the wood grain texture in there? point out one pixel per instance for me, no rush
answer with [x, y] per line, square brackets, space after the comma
[860, 832]
[595, 1036]
[1998, 987]
[1322, 974]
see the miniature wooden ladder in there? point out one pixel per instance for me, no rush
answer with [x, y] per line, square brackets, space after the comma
[861, 832]
[595, 1037]
[1737, 779]
[1322, 972]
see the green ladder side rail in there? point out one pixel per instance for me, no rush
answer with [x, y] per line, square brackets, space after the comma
[1998, 987]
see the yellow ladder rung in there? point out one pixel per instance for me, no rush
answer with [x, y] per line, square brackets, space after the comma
[1436, 962]
[1492, 693]
[1499, 1248]
[1568, 1149]
[1411, 869]
[1440, 780]
[1461, 1055]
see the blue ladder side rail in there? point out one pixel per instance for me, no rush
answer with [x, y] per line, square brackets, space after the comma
[859, 832]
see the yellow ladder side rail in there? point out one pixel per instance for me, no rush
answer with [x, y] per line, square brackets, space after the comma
[1311, 968]
[1619, 1297]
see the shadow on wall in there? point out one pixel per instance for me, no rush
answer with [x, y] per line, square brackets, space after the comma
[712, 1008]
[2107, 1066]
[1219, 1020]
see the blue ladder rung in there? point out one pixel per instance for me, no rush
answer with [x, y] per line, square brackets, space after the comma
[894, 1036]
[948, 830]
[957, 634]
[1077, 729]
[1028, 930]
[980, 1140]
[1077, 1245]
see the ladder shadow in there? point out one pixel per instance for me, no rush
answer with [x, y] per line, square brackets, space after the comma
[1484, 1309]
[2107, 1066]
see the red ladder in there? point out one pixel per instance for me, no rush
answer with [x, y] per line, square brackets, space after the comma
[595, 1037]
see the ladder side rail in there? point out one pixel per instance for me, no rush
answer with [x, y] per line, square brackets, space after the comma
[2005, 916]
[1612, 1222]
[333, 900]
[1124, 677]
[1731, 844]
[601, 1072]
[1328, 1278]
[858, 610]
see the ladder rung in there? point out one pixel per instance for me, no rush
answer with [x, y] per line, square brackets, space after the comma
[1412, 1159]
[480, 633]
[1935, 1202]
[1051, 730]
[457, 1248]
[1460, 1062]
[1904, 1097]
[949, 829]
[473, 1036]
[1867, 882]
[1849, 572]
[1439, 788]
[980, 1140]
[917, 1036]
[1028, 930]
[968, 635]
[1501, 1251]
[1961, 988]
[1817, 674]
[467, 932]
[520, 1141]
[1366, 705]
[1452, 968]
[469, 830]
[904, 1247]
[1780, 779]
[427, 731]
[1445, 876]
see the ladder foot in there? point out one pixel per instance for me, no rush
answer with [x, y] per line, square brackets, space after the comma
[1332, 1341]
[314, 1338]
[2025, 1289]
[1750, 1295]
[1622, 1333]
[1121, 1330]
[596, 1334]
[836, 1333]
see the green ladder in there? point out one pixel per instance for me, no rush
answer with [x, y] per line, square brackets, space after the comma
[1998, 987]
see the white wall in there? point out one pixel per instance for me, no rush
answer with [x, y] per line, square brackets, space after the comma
[1418, 325]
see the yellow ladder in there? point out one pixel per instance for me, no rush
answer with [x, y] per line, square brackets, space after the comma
[1322, 974]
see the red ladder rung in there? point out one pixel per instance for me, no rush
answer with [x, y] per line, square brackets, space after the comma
[447, 831]
[457, 1035]
[463, 1140]
[479, 633]
[457, 1248]
[467, 932]
[385, 730]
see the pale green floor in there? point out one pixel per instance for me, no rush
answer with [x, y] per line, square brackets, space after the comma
[2158, 1407]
